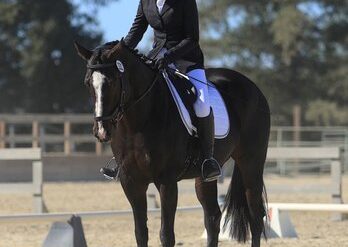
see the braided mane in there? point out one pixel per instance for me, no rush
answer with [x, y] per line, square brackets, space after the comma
[111, 44]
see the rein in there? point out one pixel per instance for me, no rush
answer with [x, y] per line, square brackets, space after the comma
[119, 111]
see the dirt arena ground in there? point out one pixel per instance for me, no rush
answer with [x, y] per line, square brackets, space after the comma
[314, 229]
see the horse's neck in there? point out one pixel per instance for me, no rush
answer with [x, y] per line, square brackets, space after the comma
[140, 80]
[141, 77]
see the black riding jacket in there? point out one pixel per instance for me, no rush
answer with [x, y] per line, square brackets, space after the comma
[175, 28]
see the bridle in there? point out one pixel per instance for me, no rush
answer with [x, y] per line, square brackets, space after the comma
[119, 111]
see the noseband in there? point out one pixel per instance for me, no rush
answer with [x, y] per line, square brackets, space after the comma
[117, 114]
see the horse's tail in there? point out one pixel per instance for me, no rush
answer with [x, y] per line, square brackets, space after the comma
[237, 217]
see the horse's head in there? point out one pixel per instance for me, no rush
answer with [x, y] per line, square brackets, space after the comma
[106, 80]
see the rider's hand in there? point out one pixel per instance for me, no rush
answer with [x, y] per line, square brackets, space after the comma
[161, 63]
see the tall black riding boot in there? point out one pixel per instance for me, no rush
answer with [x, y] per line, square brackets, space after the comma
[210, 167]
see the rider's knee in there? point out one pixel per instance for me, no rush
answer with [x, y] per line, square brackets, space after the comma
[202, 104]
[202, 108]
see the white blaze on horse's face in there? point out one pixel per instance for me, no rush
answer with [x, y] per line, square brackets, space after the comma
[98, 81]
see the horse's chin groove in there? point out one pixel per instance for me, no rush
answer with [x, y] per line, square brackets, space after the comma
[107, 141]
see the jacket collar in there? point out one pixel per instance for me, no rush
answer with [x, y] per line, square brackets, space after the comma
[167, 5]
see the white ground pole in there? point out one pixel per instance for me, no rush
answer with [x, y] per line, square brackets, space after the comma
[280, 222]
[332, 154]
[280, 225]
[35, 187]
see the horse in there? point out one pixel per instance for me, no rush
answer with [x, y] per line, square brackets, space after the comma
[135, 112]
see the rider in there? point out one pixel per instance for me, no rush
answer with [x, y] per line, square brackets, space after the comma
[176, 40]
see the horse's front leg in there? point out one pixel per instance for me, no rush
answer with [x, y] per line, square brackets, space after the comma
[207, 196]
[136, 194]
[169, 201]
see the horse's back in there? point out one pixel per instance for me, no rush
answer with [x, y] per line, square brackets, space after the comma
[247, 106]
[235, 84]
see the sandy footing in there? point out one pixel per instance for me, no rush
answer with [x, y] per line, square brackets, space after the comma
[314, 229]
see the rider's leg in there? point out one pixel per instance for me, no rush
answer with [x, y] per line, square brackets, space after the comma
[205, 125]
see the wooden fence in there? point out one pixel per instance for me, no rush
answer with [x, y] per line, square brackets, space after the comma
[63, 131]
[72, 134]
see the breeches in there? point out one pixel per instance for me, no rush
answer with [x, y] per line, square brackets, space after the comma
[202, 104]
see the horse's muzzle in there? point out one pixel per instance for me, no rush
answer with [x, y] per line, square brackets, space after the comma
[102, 131]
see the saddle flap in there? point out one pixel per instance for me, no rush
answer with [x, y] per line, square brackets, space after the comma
[184, 96]
[186, 91]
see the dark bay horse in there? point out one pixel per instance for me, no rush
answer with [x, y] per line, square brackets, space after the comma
[135, 111]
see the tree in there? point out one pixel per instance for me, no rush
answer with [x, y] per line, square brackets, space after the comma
[39, 69]
[295, 50]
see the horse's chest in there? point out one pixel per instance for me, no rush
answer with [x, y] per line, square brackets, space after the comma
[133, 152]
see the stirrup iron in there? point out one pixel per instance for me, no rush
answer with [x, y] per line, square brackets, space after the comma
[214, 177]
[111, 173]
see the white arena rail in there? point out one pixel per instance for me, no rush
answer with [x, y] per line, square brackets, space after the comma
[20, 218]
[280, 222]
[303, 153]
[280, 225]
[35, 187]
[332, 154]
[315, 207]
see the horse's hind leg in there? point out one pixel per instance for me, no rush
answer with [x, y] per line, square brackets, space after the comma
[251, 169]
[169, 200]
[207, 196]
[136, 194]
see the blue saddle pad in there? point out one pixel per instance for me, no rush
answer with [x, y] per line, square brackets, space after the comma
[184, 95]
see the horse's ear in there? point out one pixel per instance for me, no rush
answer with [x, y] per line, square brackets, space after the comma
[82, 51]
[123, 44]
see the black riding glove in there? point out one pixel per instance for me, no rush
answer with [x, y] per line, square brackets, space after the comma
[162, 63]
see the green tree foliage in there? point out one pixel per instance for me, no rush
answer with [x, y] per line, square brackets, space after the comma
[322, 112]
[39, 68]
[295, 50]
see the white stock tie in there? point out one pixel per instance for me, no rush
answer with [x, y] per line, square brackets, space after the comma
[160, 4]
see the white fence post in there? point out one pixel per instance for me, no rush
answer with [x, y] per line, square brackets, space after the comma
[38, 204]
[2, 134]
[11, 134]
[35, 187]
[336, 181]
[35, 132]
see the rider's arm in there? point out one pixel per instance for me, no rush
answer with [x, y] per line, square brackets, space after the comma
[138, 28]
[191, 30]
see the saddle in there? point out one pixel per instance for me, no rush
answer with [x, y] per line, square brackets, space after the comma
[184, 96]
